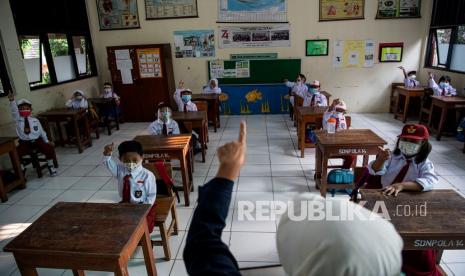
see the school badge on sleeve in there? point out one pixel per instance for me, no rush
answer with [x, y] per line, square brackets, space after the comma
[138, 194]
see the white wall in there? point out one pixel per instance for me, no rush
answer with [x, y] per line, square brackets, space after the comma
[365, 90]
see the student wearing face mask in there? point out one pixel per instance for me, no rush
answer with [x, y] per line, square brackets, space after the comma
[407, 169]
[410, 78]
[444, 88]
[164, 125]
[107, 111]
[78, 100]
[30, 132]
[182, 97]
[314, 97]
[298, 88]
[212, 87]
[136, 184]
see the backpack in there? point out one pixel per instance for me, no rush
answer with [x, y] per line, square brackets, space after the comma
[340, 176]
[461, 131]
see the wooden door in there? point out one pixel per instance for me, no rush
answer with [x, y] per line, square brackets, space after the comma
[139, 100]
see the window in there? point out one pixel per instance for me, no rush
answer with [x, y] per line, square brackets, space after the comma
[446, 47]
[4, 80]
[54, 53]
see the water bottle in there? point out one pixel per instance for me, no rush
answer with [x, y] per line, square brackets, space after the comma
[331, 125]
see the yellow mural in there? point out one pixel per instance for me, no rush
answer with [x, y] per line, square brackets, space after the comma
[253, 96]
[284, 103]
[265, 107]
[245, 108]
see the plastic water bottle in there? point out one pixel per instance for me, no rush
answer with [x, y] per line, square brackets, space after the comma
[331, 125]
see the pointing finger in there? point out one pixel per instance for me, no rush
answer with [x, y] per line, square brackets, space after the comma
[243, 133]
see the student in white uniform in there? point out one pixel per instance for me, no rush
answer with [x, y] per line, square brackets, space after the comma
[314, 97]
[182, 96]
[30, 132]
[164, 124]
[298, 87]
[410, 78]
[78, 100]
[337, 110]
[212, 87]
[358, 246]
[444, 88]
[136, 184]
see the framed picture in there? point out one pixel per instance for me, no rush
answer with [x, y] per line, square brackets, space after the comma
[316, 47]
[117, 14]
[167, 9]
[331, 10]
[393, 9]
[390, 52]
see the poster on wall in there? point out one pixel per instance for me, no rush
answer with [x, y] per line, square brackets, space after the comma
[390, 52]
[194, 43]
[165, 9]
[353, 53]
[250, 11]
[117, 14]
[331, 10]
[254, 36]
[240, 69]
[149, 63]
[388, 9]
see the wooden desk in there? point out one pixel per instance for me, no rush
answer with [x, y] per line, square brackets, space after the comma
[107, 104]
[407, 93]
[213, 101]
[393, 97]
[307, 115]
[425, 220]
[84, 236]
[158, 147]
[343, 143]
[194, 120]
[444, 103]
[73, 116]
[7, 145]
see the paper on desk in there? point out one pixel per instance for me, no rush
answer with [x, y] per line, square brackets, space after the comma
[126, 76]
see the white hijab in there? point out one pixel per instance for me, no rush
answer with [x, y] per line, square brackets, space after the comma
[324, 247]
[209, 90]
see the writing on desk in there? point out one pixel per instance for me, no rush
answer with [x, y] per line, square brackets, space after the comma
[156, 155]
[438, 243]
[352, 151]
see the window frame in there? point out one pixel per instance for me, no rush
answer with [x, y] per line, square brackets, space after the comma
[44, 42]
[4, 78]
[452, 42]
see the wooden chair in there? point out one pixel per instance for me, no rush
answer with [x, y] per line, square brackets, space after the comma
[203, 106]
[94, 120]
[425, 108]
[393, 97]
[166, 204]
[327, 95]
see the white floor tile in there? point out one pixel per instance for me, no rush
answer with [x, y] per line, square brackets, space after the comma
[90, 183]
[255, 170]
[40, 197]
[78, 170]
[254, 247]
[290, 184]
[254, 184]
[287, 170]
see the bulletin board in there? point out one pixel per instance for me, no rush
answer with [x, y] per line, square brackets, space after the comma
[149, 63]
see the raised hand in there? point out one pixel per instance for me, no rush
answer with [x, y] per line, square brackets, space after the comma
[232, 155]
[108, 149]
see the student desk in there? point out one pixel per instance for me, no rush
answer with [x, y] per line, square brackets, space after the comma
[342, 143]
[84, 236]
[73, 116]
[307, 115]
[407, 93]
[158, 147]
[7, 145]
[213, 101]
[194, 120]
[444, 103]
[107, 104]
[424, 220]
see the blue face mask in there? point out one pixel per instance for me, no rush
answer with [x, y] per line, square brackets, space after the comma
[313, 90]
[186, 98]
[444, 85]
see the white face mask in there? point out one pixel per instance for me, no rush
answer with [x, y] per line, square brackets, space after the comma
[413, 77]
[107, 90]
[409, 148]
[131, 166]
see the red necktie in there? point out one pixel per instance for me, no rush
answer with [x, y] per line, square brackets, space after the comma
[126, 189]
[27, 127]
[443, 93]
[312, 102]
[185, 107]
[401, 175]
[165, 130]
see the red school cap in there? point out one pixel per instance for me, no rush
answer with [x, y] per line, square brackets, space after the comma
[415, 132]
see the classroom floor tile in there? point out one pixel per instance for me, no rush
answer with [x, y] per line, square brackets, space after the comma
[273, 171]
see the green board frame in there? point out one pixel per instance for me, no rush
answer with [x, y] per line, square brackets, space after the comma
[264, 71]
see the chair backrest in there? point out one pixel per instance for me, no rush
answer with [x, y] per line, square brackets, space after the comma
[151, 167]
[163, 188]
[327, 95]
[201, 105]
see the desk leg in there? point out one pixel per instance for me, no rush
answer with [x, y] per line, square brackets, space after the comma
[318, 162]
[441, 122]
[115, 112]
[25, 270]
[77, 272]
[185, 180]
[202, 141]
[87, 129]
[301, 133]
[439, 256]
[61, 140]
[17, 167]
[396, 107]
[148, 252]
[406, 105]
[324, 176]
[122, 270]
[78, 134]
[365, 161]
[430, 116]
